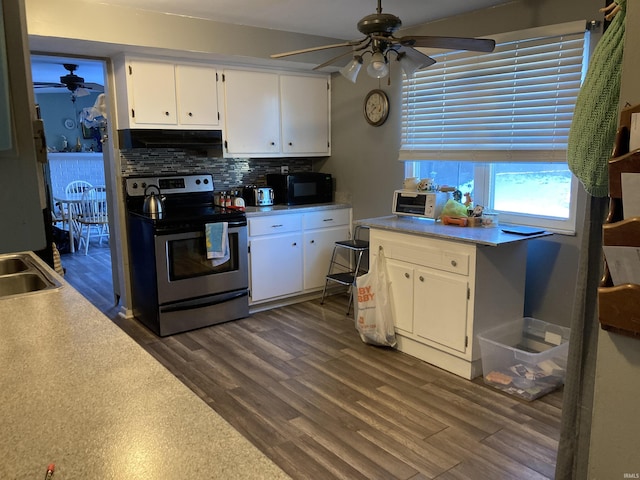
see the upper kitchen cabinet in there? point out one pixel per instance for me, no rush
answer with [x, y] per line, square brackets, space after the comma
[153, 94]
[251, 113]
[276, 115]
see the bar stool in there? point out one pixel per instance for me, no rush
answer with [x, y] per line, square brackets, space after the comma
[342, 273]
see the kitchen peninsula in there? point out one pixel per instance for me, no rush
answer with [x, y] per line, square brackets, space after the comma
[449, 283]
[80, 393]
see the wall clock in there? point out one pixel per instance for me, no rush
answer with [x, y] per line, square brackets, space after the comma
[376, 107]
[69, 124]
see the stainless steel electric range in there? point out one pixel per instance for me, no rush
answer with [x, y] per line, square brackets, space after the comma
[175, 287]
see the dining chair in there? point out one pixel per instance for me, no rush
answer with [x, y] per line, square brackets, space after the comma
[91, 217]
[77, 186]
[73, 194]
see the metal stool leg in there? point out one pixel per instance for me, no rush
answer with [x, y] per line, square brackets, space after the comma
[355, 276]
[326, 281]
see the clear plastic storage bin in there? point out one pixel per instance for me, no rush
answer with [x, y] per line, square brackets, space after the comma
[526, 357]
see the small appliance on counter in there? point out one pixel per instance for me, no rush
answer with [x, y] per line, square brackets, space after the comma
[255, 196]
[417, 203]
[301, 188]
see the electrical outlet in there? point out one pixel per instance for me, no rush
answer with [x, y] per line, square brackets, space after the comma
[284, 169]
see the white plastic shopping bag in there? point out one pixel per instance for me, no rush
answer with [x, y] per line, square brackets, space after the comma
[374, 315]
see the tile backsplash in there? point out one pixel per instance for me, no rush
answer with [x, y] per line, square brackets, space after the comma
[226, 172]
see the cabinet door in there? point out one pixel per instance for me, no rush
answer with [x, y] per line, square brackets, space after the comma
[304, 103]
[153, 93]
[197, 95]
[318, 248]
[440, 308]
[401, 290]
[276, 266]
[252, 112]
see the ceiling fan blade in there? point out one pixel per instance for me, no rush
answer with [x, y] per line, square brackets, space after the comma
[47, 85]
[95, 87]
[418, 58]
[351, 43]
[330, 61]
[451, 43]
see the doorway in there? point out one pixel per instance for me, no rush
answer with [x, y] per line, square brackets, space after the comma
[69, 92]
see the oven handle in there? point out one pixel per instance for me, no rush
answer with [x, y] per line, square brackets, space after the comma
[204, 302]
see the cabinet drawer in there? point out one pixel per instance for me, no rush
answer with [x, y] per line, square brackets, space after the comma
[446, 260]
[273, 224]
[326, 218]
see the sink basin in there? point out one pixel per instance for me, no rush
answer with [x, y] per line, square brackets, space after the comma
[22, 274]
[21, 283]
[12, 265]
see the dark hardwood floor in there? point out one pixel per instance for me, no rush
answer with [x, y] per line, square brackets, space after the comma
[301, 386]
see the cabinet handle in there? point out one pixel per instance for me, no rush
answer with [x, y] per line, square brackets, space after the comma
[294, 244]
[313, 241]
[454, 263]
[276, 226]
[406, 275]
[290, 144]
[190, 114]
[328, 220]
[421, 278]
[273, 143]
[166, 113]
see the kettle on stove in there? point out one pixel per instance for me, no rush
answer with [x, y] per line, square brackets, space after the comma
[153, 202]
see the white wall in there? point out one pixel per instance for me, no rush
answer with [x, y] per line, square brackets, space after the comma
[615, 431]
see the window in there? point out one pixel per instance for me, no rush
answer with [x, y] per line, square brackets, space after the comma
[497, 124]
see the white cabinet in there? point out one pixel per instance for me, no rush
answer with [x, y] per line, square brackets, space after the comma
[251, 112]
[276, 115]
[289, 253]
[321, 231]
[275, 256]
[446, 292]
[304, 103]
[153, 94]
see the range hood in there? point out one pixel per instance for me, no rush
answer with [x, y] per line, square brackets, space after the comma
[203, 140]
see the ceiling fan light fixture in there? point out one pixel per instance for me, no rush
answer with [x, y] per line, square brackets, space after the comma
[409, 65]
[350, 71]
[378, 66]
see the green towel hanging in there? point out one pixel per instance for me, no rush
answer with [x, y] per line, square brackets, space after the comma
[595, 119]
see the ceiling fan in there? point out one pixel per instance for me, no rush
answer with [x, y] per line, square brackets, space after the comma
[72, 82]
[380, 42]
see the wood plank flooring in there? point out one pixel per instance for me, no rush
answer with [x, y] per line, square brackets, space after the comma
[301, 386]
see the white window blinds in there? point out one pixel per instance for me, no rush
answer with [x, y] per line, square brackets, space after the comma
[514, 104]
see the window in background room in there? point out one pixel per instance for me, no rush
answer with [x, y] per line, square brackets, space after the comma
[496, 124]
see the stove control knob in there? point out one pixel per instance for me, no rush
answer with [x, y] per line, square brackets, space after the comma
[197, 181]
[144, 185]
[134, 185]
[206, 181]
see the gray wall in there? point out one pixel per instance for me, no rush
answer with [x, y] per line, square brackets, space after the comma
[364, 158]
[615, 441]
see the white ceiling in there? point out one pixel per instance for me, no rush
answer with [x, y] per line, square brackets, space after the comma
[329, 18]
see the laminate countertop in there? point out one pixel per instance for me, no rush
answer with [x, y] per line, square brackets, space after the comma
[80, 393]
[494, 236]
[278, 209]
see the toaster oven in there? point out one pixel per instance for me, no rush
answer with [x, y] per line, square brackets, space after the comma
[419, 204]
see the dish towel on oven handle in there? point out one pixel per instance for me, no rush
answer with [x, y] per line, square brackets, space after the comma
[216, 237]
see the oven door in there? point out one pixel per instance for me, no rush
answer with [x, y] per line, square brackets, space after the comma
[184, 272]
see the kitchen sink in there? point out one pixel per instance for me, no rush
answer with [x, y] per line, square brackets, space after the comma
[21, 274]
[12, 265]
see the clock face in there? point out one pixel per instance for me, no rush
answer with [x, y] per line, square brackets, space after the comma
[376, 107]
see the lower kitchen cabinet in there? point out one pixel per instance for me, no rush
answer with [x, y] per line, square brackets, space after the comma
[276, 266]
[289, 253]
[446, 292]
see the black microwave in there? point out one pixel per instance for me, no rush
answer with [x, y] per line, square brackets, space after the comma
[301, 188]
